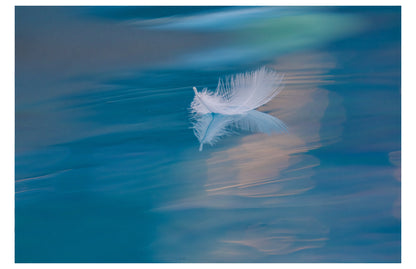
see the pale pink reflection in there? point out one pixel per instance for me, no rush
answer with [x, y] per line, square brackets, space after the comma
[275, 238]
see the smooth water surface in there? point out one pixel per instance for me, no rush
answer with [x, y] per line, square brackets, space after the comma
[108, 168]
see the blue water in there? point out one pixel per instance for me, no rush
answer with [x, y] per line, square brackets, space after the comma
[108, 168]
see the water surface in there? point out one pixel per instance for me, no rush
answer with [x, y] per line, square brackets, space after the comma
[108, 168]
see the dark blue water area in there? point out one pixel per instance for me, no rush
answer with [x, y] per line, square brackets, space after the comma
[108, 168]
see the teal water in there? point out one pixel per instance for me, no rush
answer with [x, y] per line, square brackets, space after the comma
[108, 168]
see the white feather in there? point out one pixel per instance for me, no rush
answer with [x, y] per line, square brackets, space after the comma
[239, 94]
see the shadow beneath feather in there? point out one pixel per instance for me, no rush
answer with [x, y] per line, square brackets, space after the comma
[210, 128]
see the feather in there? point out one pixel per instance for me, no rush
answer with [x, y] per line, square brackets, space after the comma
[239, 94]
[210, 128]
[231, 107]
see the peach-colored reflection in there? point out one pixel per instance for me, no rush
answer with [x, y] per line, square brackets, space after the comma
[278, 237]
[257, 165]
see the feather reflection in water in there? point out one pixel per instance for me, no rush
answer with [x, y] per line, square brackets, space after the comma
[210, 128]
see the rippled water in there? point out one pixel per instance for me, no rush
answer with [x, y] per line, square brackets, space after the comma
[108, 168]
